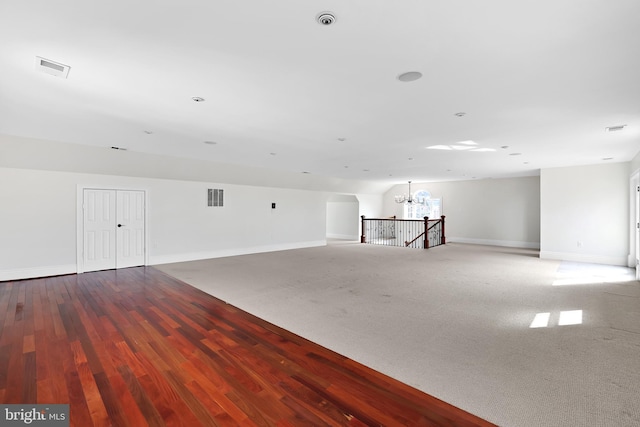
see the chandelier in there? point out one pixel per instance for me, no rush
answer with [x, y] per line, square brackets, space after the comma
[408, 198]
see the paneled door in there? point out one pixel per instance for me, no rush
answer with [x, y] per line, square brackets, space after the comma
[113, 229]
[637, 232]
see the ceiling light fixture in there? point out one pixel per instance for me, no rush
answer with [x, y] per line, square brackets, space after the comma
[210, 142]
[408, 199]
[409, 76]
[615, 128]
[197, 99]
[460, 114]
[326, 18]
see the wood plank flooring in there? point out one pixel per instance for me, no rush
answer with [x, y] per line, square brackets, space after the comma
[135, 347]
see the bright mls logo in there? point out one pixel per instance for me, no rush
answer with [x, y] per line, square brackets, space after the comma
[35, 415]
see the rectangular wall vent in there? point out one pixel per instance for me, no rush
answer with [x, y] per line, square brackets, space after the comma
[215, 197]
[51, 67]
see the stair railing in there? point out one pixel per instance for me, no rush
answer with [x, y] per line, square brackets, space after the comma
[403, 232]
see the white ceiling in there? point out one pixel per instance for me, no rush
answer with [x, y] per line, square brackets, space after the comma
[542, 77]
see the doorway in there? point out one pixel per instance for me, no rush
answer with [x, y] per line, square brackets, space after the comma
[343, 220]
[113, 229]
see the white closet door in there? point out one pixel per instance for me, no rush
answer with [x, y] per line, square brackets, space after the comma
[113, 229]
[130, 228]
[99, 249]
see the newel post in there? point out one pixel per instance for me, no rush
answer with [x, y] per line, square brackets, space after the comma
[362, 236]
[426, 232]
[443, 239]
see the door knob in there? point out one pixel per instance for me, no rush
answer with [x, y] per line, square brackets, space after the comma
[119, 225]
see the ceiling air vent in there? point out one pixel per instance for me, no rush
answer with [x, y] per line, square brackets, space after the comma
[51, 67]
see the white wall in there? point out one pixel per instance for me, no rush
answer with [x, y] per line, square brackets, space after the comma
[585, 213]
[503, 212]
[343, 217]
[39, 210]
[28, 153]
[635, 164]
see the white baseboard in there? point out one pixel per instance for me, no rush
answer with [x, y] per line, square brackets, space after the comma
[594, 259]
[506, 243]
[57, 270]
[34, 272]
[194, 256]
[343, 236]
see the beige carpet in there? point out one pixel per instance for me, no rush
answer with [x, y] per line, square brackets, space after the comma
[454, 321]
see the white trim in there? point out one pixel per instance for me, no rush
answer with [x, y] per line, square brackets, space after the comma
[194, 256]
[34, 272]
[634, 181]
[489, 242]
[343, 236]
[594, 259]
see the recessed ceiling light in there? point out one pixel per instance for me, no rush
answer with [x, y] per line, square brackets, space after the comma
[410, 158]
[197, 99]
[409, 76]
[607, 158]
[342, 139]
[326, 18]
[346, 167]
[615, 128]
[210, 142]
[515, 154]
[118, 148]
[148, 132]
[460, 114]
[51, 67]
[504, 147]
[305, 172]
[272, 154]
[365, 170]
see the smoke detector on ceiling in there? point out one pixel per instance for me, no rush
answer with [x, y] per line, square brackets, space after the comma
[51, 67]
[326, 18]
[410, 76]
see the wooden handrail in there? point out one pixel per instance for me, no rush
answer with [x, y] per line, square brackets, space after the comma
[417, 237]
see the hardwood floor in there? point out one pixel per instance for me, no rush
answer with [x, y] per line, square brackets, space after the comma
[135, 347]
